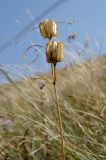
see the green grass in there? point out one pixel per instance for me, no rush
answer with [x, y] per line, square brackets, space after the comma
[28, 129]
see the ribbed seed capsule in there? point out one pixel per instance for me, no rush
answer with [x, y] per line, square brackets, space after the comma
[54, 52]
[48, 29]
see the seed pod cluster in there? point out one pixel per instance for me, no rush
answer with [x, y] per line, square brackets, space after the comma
[54, 50]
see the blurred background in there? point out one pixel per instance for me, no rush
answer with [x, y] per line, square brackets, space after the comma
[19, 17]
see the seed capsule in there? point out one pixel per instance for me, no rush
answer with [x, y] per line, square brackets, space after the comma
[54, 52]
[48, 29]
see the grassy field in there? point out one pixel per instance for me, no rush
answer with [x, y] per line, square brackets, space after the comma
[28, 119]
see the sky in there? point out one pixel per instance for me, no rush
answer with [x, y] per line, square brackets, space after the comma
[89, 16]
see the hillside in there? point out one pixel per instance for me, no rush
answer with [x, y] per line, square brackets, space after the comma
[28, 129]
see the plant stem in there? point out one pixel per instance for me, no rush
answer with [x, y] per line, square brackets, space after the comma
[53, 66]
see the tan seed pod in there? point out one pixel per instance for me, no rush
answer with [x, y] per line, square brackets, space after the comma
[54, 52]
[48, 29]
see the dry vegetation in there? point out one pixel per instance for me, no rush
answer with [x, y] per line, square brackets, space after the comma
[28, 129]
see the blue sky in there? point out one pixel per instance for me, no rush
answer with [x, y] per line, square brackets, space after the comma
[90, 16]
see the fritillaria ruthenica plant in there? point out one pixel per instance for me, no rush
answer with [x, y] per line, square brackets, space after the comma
[54, 54]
